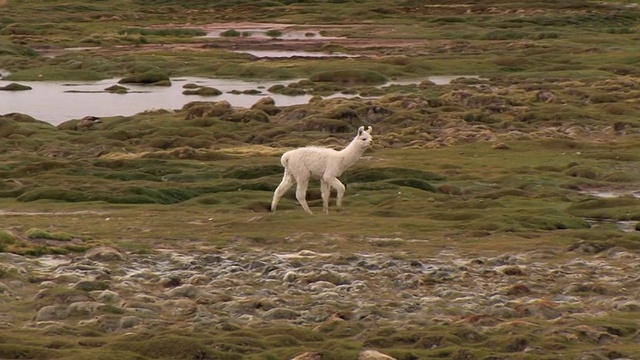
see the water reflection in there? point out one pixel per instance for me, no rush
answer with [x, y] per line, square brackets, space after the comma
[625, 225]
[52, 53]
[56, 102]
[290, 54]
[261, 33]
[612, 193]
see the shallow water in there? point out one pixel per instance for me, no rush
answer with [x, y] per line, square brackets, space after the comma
[58, 101]
[52, 53]
[608, 194]
[261, 33]
[290, 54]
[625, 225]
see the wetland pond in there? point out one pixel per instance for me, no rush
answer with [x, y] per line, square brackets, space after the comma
[58, 101]
[262, 31]
[624, 225]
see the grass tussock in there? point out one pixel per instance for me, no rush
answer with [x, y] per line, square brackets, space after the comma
[35, 233]
[172, 346]
[149, 77]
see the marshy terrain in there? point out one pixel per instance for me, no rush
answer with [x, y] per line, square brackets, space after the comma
[496, 216]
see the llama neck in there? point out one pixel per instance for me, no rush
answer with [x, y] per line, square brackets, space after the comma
[351, 154]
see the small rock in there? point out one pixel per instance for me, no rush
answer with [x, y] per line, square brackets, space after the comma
[511, 270]
[463, 354]
[545, 96]
[373, 355]
[290, 276]
[11, 269]
[4, 289]
[198, 279]
[84, 307]
[104, 253]
[518, 290]
[15, 87]
[130, 321]
[320, 286]
[51, 312]
[308, 356]
[629, 306]
[103, 322]
[189, 291]
[280, 314]
[87, 285]
[500, 146]
[171, 282]
[108, 296]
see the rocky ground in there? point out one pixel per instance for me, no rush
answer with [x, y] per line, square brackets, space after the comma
[537, 292]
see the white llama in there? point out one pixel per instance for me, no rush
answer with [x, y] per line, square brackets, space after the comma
[326, 164]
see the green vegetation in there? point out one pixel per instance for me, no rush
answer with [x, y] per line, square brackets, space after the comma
[535, 154]
[230, 33]
[203, 91]
[274, 33]
[41, 234]
[235, 33]
[15, 87]
[181, 32]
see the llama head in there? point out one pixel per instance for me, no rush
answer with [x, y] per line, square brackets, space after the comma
[364, 137]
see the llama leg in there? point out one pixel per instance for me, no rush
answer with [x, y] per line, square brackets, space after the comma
[340, 189]
[287, 182]
[301, 193]
[325, 188]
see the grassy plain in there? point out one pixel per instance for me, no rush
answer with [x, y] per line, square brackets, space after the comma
[514, 162]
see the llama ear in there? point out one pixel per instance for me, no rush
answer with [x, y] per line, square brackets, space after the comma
[369, 129]
[360, 130]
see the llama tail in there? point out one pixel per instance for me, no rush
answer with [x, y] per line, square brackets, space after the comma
[284, 160]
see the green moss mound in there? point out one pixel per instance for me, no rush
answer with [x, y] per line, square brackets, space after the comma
[116, 89]
[16, 50]
[20, 351]
[174, 347]
[15, 87]
[622, 208]
[55, 193]
[149, 77]
[35, 233]
[21, 125]
[6, 238]
[203, 91]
